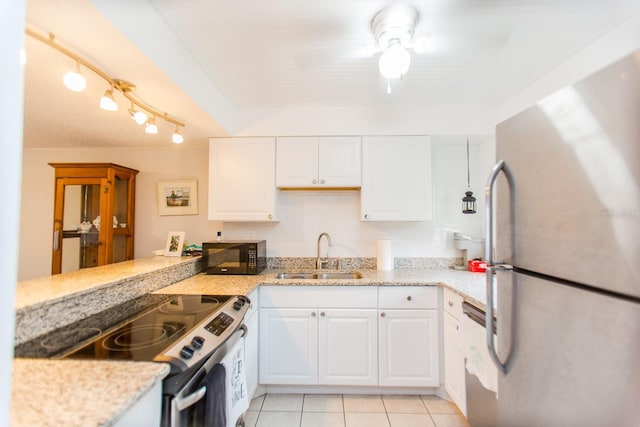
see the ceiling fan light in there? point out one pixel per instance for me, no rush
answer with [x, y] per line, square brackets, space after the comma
[395, 62]
[176, 137]
[151, 127]
[74, 81]
[107, 102]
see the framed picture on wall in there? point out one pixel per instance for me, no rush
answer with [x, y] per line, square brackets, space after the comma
[178, 197]
[175, 243]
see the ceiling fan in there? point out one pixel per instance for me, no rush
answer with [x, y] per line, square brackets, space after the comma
[393, 28]
[399, 30]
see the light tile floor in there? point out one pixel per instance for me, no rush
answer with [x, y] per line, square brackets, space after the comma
[337, 410]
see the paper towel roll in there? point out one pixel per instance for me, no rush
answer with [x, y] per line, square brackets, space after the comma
[385, 255]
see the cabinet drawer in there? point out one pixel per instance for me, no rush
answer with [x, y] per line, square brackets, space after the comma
[411, 297]
[319, 296]
[452, 303]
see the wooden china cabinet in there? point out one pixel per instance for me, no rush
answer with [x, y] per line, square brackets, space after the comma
[94, 211]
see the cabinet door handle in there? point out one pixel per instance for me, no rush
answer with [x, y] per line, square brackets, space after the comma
[270, 216]
[322, 314]
[366, 216]
[450, 303]
[314, 181]
[313, 314]
[383, 314]
[322, 181]
[409, 298]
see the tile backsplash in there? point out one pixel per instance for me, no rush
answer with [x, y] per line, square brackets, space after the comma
[307, 263]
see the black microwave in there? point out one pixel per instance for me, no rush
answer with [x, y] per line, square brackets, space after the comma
[234, 257]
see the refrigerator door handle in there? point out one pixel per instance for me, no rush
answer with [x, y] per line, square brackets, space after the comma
[492, 264]
[489, 316]
[501, 166]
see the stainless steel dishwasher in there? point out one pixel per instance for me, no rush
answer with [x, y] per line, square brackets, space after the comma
[482, 405]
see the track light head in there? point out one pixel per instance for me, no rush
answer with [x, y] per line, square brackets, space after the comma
[140, 117]
[75, 81]
[151, 127]
[177, 138]
[107, 102]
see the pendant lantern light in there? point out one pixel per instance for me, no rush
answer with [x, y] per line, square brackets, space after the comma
[468, 201]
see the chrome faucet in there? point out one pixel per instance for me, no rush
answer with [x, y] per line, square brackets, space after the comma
[320, 263]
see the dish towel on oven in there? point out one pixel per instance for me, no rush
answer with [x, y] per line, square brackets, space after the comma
[237, 401]
[215, 405]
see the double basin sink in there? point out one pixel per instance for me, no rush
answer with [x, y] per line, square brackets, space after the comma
[330, 275]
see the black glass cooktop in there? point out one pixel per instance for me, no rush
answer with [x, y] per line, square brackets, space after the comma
[139, 329]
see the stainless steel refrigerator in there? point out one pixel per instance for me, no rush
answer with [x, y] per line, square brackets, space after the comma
[563, 225]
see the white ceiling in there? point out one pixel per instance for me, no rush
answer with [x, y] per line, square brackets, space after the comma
[186, 55]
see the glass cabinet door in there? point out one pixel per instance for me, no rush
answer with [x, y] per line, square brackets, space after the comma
[78, 236]
[121, 221]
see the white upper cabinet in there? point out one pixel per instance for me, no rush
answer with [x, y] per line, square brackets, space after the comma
[318, 162]
[396, 178]
[242, 179]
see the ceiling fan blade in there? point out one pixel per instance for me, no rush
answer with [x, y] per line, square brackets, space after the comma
[464, 38]
[334, 56]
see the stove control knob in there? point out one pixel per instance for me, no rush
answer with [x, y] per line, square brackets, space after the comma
[237, 305]
[197, 342]
[187, 352]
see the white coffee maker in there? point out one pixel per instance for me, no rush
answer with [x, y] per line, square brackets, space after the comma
[471, 248]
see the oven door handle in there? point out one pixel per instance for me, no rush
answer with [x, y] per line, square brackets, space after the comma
[184, 402]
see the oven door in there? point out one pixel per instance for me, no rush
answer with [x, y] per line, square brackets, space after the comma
[204, 400]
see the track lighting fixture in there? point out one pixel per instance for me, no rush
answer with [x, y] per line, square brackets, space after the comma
[141, 112]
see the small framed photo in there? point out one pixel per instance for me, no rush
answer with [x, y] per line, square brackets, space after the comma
[178, 197]
[175, 243]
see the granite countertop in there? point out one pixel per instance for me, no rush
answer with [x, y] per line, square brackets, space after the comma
[73, 392]
[78, 393]
[471, 286]
[50, 289]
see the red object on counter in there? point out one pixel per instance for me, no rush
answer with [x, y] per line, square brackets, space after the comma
[477, 266]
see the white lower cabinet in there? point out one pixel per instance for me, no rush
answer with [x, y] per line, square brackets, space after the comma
[288, 346]
[367, 336]
[251, 346]
[409, 336]
[348, 347]
[409, 348]
[336, 345]
[318, 346]
[453, 355]
[145, 412]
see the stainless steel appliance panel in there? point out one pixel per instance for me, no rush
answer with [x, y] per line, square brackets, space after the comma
[575, 362]
[575, 158]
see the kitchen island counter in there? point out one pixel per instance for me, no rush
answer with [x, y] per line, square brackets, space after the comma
[48, 303]
[80, 392]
